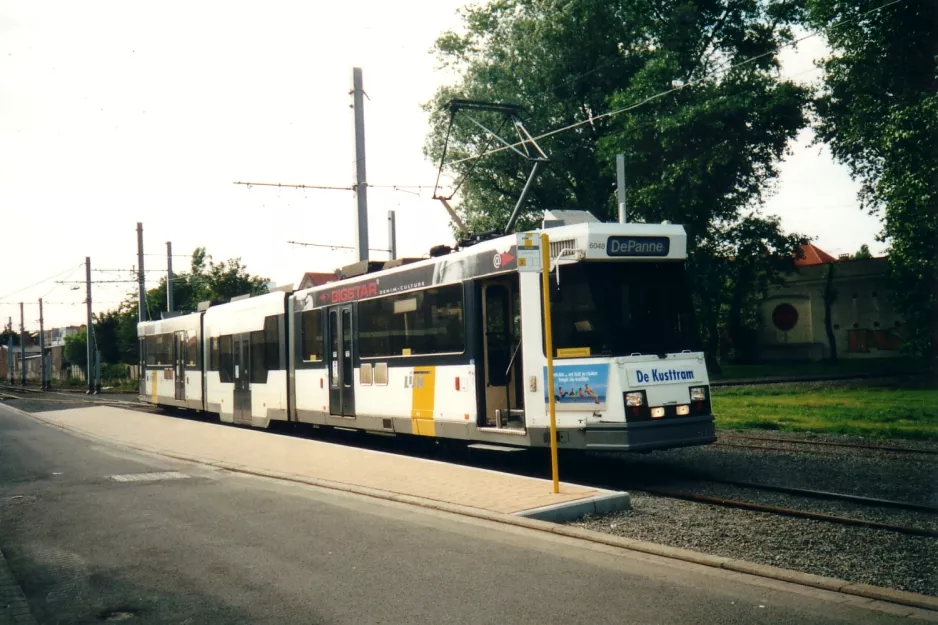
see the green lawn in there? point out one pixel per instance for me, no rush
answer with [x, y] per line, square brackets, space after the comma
[866, 366]
[877, 412]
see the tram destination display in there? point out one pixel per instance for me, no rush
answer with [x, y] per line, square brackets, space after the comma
[638, 246]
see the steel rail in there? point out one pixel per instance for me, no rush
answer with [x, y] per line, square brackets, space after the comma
[780, 449]
[820, 494]
[775, 439]
[803, 514]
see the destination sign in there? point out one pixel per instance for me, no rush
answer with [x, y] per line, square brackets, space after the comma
[637, 246]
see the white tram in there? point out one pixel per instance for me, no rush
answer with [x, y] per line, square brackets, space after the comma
[453, 346]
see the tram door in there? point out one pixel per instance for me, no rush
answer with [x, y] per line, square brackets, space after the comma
[180, 346]
[241, 356]
[502, 355]
[341, 370]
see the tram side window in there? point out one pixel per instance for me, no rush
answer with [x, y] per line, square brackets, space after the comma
[272, 343]
[159, 348]
[258, 358]
[425, 322]
[225, 359]
[192, 351]
[312, 343]
[213, 354]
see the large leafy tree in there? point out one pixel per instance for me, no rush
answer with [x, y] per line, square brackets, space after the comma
[878, 112]
[701, 155]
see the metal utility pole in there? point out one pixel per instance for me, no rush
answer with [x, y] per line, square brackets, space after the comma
[620, 187]
[10, 349]
[169, 276]
[89, 334]
[42, 349]
[141, 294]
[22, 347]
[361, 186]
[392, 235]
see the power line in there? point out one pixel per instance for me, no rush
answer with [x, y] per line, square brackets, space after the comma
[294, 186]
[331, 187]
[334, 247]
[72, 269]
[661, 94]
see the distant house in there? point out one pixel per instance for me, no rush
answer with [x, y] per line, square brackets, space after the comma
[863, 321]
[311, 279]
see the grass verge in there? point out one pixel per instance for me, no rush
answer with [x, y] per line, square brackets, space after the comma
[876, 412]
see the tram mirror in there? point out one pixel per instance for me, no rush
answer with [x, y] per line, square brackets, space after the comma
[554, 291]
[554, 286]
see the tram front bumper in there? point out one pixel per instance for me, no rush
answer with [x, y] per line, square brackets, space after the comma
[641, 436]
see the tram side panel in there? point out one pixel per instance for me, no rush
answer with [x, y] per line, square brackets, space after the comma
[246, 365]
[410, 371]
[170, 357]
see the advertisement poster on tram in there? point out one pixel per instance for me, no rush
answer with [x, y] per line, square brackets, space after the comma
[579, 387]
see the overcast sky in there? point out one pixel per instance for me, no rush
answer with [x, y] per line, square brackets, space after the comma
[117, 112]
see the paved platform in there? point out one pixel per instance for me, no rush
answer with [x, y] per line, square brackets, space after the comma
[282, 456]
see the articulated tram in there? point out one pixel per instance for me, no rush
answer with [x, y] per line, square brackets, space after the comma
[453, 346]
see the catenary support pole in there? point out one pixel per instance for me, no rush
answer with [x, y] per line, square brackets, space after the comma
[10, 355]
[361, 184]
[89, 332]
[549, 348]
[141, 288]
[42, 349]
[392, 235]
[169, 276]
[22, 347]
[620, 187]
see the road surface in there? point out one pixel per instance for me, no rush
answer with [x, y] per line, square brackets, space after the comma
[190, 544]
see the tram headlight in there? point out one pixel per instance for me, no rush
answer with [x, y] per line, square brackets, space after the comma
[634, 400]
[698, 393]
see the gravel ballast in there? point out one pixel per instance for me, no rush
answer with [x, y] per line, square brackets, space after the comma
[876, 557]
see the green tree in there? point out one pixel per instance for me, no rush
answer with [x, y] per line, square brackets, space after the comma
[76, 349]
[878, 112]
[863, 253]
[702, 155]
[9, 332]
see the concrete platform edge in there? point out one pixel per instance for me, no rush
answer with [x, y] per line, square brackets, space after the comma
[572, 510]
[874, 593]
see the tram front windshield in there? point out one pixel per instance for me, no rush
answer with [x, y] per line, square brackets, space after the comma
[623, 308]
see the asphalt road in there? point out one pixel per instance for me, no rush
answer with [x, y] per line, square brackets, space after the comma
[216, 547]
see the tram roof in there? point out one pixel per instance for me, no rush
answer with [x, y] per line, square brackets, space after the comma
[593, 241]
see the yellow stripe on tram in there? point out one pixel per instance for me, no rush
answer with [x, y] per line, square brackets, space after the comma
[423, 391]
[154, 385]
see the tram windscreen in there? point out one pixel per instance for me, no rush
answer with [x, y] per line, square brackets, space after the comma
[618, 309]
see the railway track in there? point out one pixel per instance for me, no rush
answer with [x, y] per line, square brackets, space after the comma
[823, 444]
[792, 512]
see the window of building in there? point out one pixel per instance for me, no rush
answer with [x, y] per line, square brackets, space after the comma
[426, 322]
[311, 343]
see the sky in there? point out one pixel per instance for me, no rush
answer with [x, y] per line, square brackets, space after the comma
[113, 113]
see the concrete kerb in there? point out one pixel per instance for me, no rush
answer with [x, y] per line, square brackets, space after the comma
[573, 510]
[889, 595]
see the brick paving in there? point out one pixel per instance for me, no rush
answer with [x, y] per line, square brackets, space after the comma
[261, 451]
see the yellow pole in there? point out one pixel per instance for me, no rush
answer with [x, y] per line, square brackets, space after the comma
[549, 348]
